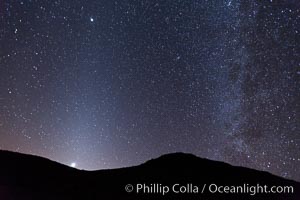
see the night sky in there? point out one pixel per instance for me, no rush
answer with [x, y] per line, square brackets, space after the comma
[102, 84]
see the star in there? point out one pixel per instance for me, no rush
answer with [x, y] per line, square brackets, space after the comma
[73, 164]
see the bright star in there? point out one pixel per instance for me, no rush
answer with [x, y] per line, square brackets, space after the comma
[73, 164]
[91, 19]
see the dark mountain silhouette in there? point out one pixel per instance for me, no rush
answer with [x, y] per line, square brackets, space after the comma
[24, 177]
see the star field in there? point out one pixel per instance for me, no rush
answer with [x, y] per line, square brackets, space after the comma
[107, 84]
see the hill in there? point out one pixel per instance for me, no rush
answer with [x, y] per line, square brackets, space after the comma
[171, 176]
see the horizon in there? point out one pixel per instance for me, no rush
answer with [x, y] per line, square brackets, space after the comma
[146, 161]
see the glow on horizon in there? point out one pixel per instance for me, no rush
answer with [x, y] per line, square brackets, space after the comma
[73, 164]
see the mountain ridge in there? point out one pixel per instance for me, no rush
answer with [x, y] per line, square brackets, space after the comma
[34, 177]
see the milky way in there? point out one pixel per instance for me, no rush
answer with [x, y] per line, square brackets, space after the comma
[107, 84]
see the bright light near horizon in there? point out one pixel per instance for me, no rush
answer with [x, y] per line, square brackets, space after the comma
[73, 164]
